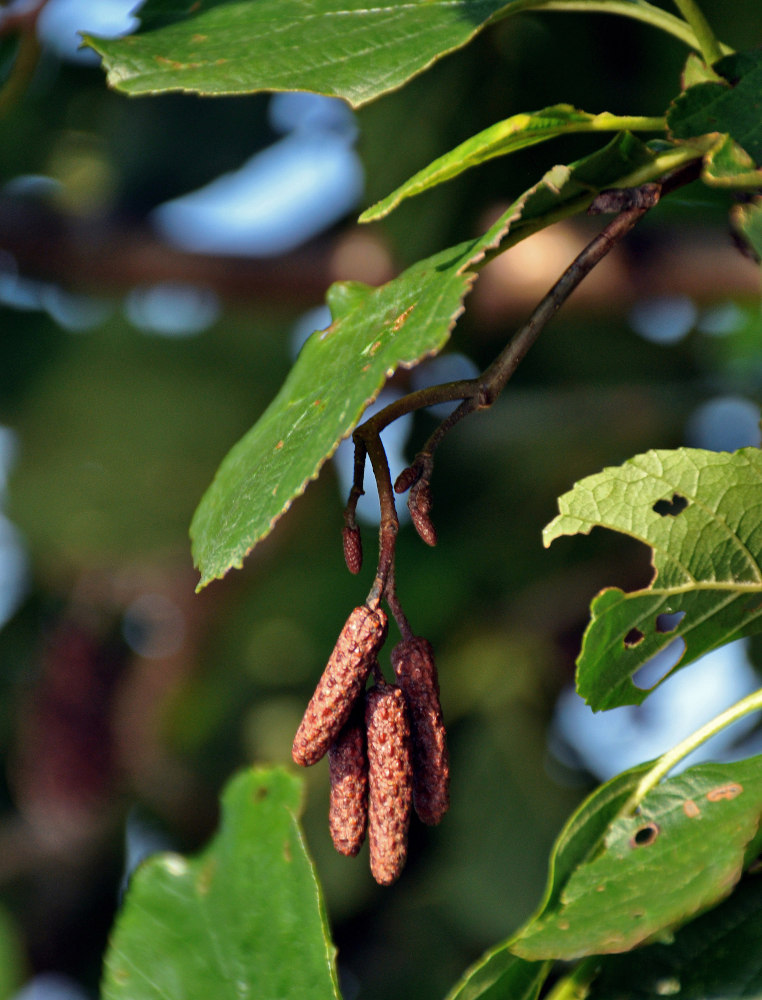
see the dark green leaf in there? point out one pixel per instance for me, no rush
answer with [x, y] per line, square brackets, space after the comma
[732, 107]
[717, 956]
[682, 852]
[242, 919]
[345, 49]
[700, 512]
[375, 331]
[505, 137]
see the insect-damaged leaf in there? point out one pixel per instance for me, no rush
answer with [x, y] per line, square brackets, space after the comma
[647, 873]
[701, 512]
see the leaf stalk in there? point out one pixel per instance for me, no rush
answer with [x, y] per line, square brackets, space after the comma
[669, 760]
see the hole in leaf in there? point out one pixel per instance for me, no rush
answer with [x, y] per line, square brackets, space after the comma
[633, 638]
[671, 507]
[659, 666]
[645, 836]
[667, 623]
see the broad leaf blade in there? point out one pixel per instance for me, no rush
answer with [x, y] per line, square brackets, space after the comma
[716, 956]
[681, 853]
[517, 132]
[730, 107]
[343, 48]
[374, 331]
[242, 919]
[700, 512]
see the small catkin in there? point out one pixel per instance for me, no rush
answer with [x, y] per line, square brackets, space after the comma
[406, 478]
[420, 504]
[348, 768]
[341, 684]
[416, 674]
[352, 541]
[390, 781]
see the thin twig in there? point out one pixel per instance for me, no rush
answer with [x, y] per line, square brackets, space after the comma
[475, 394]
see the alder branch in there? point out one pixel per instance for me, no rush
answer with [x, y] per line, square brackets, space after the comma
[475, 394]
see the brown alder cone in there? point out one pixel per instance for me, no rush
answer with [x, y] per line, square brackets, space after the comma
[341, 684]
[348, 805]
[390, 781]
[352, 541]
[416, 674]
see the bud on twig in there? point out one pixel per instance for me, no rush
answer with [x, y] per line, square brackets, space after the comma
[420, 504]
[406, 478]
[348, 768]
[416, 674]
[390, 781]
[340, 685]
[352, 540]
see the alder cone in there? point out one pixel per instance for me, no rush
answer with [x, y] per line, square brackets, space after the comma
[416, 674]
[390, 781]
[341, 684]
[348, 768]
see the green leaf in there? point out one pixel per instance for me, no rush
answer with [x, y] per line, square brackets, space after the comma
[346, 49]
[700, 512]
[727, 165]
[374, 331]
[747, 222]
[499, 975]
[244, 918]
[505, 137]
[682, 852]
[716, 956]
[731, 107]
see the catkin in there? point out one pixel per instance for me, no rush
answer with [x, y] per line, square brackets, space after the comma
[416, 674]
[352, 542]
[419, 504]
[348, 769]
[341, 684]
[389, 780]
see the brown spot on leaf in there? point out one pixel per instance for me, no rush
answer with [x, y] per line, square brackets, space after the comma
[690, 809]
[399, 321]
[279, 445]
[728, 791]
[287, 851]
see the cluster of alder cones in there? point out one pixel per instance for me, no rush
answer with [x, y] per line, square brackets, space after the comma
[386, 746]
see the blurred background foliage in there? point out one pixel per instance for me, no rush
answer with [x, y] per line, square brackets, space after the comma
[127, 700]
